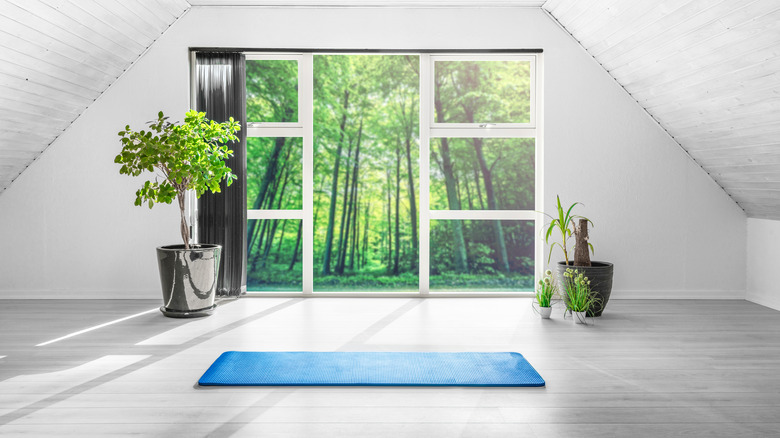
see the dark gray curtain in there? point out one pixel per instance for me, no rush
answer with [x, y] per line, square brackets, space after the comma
[221, 94]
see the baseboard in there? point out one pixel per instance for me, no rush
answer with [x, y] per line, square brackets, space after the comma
[762, 301]
[154, 294]
[677, 295]
[79, 295]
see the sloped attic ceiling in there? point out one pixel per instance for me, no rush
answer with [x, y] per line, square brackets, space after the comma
[708, 71]
[57, 57]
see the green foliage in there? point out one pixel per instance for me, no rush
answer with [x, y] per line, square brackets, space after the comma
[546, 289]
[511, 161]
[272, 91]
[480, 254]
[578, 295]
[564, 223]
[275, 277]
[365, 281]
[286, 187]
[481, 258]
[376, 99]
[484, 91]
[481, 282]
[188, 156]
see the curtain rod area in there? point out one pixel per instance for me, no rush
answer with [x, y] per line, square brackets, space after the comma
[250, 50]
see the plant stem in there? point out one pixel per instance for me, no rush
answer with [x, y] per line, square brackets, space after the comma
[185, 230]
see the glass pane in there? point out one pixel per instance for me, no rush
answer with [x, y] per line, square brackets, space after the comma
[482, 255]
[272, 91]
[273, 173]
[482, 92]
[366, 111]
[274, 256]
[482, 174]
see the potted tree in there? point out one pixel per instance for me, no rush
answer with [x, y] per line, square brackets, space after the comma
[185, 156]
[600, 273]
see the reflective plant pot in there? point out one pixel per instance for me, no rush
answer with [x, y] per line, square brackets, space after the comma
[189, 279]
[600, 276]
[545, 312]
[579, 317]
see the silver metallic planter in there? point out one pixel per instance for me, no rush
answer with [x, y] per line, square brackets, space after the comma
[189, 279]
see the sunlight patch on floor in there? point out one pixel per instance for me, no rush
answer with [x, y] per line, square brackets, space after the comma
[87, 330]
[225, 315]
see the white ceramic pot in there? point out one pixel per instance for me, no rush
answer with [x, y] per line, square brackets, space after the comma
[545, 312]
[579, 317]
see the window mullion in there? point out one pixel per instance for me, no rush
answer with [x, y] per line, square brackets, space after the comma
[493, 132]
[426, 109]
[306, 116]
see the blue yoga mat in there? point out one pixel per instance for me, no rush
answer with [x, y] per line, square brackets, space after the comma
[307, 368]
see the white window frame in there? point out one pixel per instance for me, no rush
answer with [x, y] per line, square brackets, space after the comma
[304, 129]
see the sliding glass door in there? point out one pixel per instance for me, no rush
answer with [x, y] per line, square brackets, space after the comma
[392, 173]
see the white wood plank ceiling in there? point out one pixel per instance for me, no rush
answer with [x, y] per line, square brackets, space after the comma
[57, 57]
[707, 70]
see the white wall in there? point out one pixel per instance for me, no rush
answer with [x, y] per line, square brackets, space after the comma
[670, 231]
[763, 243]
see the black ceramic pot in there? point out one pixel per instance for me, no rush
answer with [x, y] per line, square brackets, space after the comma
[600, 276]
[189, 279]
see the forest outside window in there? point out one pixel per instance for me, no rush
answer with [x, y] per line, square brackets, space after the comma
[480, 90]
[392, 173]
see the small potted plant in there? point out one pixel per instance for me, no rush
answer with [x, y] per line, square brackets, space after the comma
[578, 296]
[573, 226]
[544, 293]
[185, 156]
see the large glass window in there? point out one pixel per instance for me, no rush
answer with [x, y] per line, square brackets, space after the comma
[273, 173]
[272, 90]
[392, 173]
[482, 91]
[482, 255]
[366, 149]
[274, 256]
[482, 173]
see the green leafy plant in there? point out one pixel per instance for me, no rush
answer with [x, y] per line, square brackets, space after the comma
[578, 295]
[546, 289]
[187, 156]
[565, 224]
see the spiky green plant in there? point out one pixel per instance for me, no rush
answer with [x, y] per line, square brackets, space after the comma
[546, 289]
[578, 295]
[565, 223]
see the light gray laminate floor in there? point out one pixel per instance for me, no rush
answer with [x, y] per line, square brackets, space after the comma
[646, 368]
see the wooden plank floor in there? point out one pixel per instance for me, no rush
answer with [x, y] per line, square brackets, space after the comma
[646, 368]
